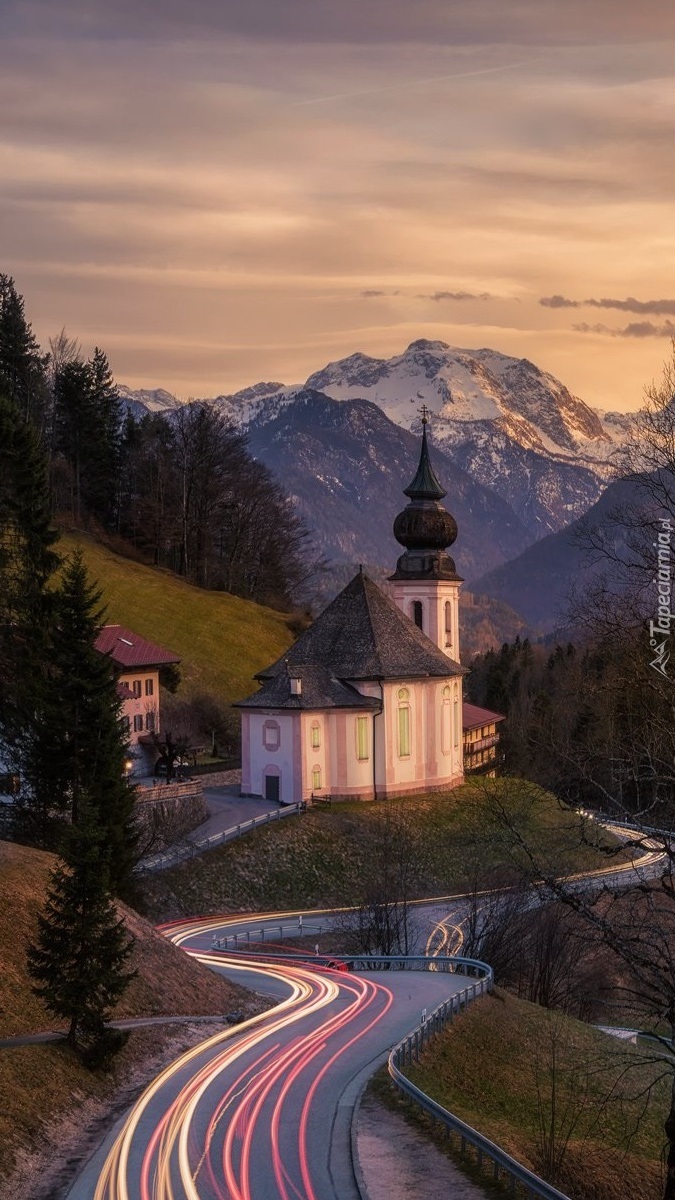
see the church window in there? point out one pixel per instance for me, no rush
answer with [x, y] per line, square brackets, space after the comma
[362, 738]
[448, 623]
[316, 736]
[446, 721]
[271, 735]
[417, 613]
[316, 778]
[403, 723]
[456, 718]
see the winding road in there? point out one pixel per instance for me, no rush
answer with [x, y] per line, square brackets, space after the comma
[263, 1110]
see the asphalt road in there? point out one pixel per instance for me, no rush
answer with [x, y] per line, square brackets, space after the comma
[263, 1111]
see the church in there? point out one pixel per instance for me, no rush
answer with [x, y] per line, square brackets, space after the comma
[367, 703]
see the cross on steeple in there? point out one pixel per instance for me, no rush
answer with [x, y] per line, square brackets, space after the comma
[425, 413]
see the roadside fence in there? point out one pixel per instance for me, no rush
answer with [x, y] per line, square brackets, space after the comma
[186, 850]
[517, 1178]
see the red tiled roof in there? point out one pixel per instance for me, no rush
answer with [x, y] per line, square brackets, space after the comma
[128, 649]
[473, 716]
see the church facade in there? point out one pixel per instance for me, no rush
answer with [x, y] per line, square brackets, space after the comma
[367, 703]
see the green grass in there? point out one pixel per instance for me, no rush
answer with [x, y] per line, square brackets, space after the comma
[493, 1068]
[222, 640]
[464, 838]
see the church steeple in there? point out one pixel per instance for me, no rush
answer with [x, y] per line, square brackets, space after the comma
[426, 583]
[424, 527]
[425, 485]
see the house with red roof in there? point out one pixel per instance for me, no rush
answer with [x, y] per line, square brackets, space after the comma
[137, 662]
[481, 740]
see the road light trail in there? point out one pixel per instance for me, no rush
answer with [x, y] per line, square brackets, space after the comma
[240, 1090]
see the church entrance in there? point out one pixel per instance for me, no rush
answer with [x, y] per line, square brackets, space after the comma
[272, 787]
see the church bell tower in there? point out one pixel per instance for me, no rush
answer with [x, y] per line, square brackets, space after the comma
[425, 583]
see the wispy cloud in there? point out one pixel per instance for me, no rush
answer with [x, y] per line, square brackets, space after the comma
[630, 304]
[372, 293]
[439, 296]
[637, 329]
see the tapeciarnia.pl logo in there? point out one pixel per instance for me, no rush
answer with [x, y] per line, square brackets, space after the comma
[659, 628]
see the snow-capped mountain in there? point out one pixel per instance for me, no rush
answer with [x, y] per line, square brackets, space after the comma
[513, 428]
[146, 400]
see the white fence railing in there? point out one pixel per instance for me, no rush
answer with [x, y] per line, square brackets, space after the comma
[408, 1050]
[189, 849]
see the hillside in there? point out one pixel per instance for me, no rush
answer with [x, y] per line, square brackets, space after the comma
[323, 858]
[538, 582]
[477, 1068]
[221, 639]
[44, 1083]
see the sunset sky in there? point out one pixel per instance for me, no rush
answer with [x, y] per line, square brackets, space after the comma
[224, 191]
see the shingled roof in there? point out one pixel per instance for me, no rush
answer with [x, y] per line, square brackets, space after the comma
[318, 689]
[363, 634]
[128, 649]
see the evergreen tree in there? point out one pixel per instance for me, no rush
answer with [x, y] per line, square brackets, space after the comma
[27, 560]
[88, 435]
[78, 960]
[78, 752]
[103, 481]
[23, 375]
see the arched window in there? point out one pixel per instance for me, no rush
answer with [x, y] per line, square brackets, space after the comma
[446, 720]
[315, 735]
[362, 738]
[316, 779]
[448, 623]
[457, 718]
[403, 723]
[417, 613]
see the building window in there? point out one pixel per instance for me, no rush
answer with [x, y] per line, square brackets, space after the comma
[138, 723]
[362, 738]
[446, 721]
[136, 687]
[125, 725]
[271, 735]
[150, 721]
[448, 623]
[149, 687]
[316, 779]
[403, 723]
[315, 736]
[456, 719]
[417, 613]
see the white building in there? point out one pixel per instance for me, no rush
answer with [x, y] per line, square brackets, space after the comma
[368, 702]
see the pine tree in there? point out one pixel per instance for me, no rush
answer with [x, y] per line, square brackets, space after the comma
[27, 560]
[78, 960]
[79, 750]
[23, 376]
[103, 482]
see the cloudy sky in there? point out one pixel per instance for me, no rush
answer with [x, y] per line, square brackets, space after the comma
[224, 191]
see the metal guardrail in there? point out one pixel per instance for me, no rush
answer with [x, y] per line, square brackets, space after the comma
[409, 1048]
[188, 850]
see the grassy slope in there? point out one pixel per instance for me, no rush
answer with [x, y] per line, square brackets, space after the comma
[321, 857]
[40, 1082]
[491, 1065]
[221, 639]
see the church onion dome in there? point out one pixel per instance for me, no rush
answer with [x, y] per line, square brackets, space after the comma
[424, 527]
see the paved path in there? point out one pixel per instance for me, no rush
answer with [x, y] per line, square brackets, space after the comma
[398, 1162]
[227, 808]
